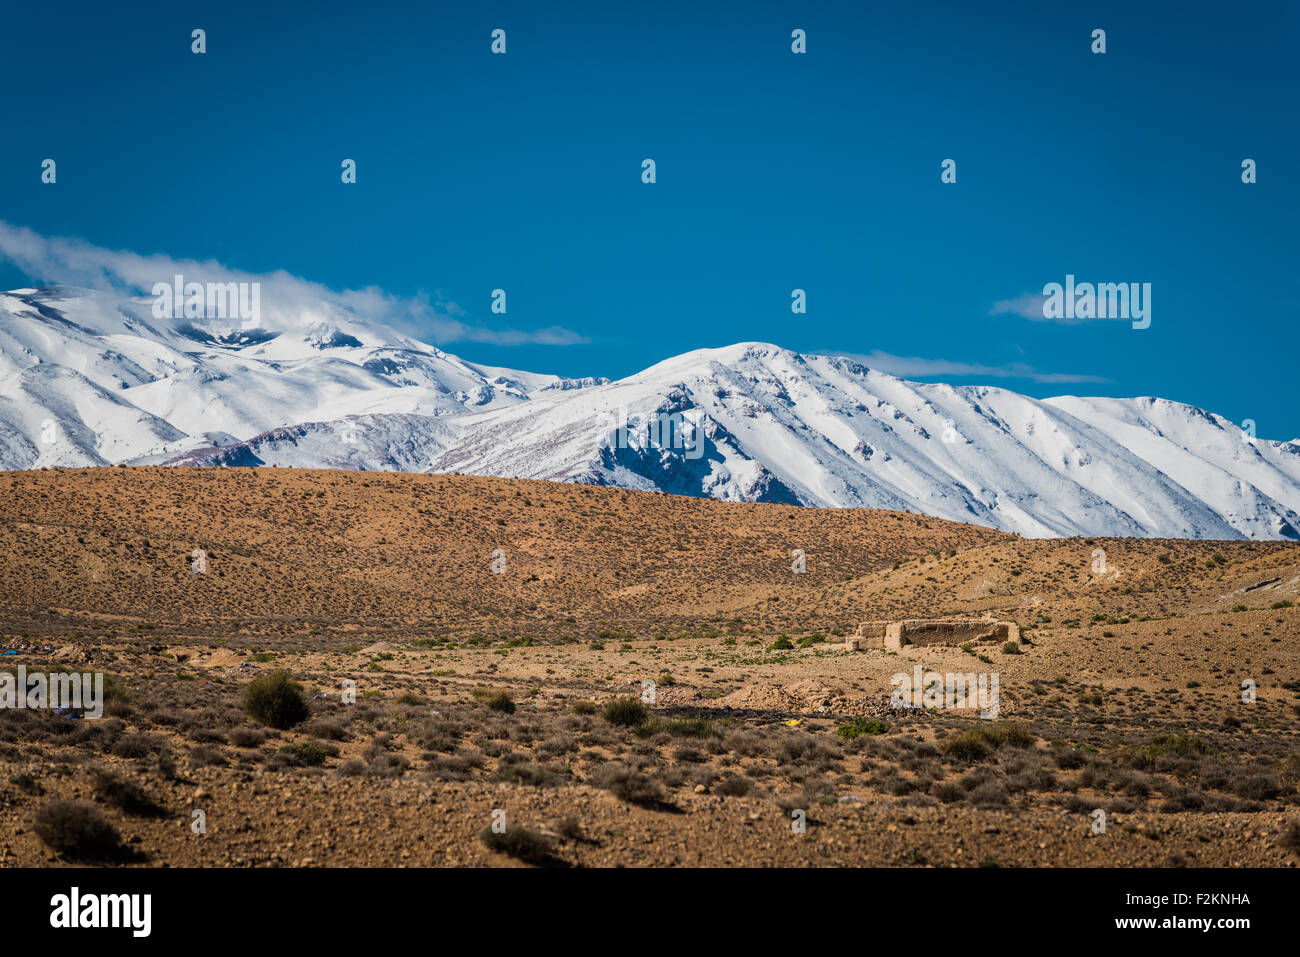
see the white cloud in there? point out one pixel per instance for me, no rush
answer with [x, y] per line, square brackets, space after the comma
[79, 263]
[1027, 306]
[914, 366]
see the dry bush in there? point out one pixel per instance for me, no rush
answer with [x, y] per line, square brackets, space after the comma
[78, 831]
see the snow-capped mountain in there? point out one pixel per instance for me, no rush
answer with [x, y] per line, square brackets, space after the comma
[822, 430]
[120, 385]
[750, 422]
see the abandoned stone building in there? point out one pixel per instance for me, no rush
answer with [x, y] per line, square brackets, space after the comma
[892, 635]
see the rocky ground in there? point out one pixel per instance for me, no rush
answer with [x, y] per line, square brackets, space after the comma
[616, 678]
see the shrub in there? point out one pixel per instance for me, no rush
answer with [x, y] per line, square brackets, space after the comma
[275, 700]
[27, 782]
[1290, 837]
[77, 830]
[1257, 787]
[860, 726]
[569, 828]
[627, 784]
[1291, 769]
[781, 644]
[1011, 648]
[947, 791]
[139, 746]
[979, 742]
[1182, 745]
[308, 754]
[247, 737]
[124, 793]
[519, 770]
[736, 785]
[626, 711]
[1070, 759]
[203, 755]
[677, 728]
[330, 729]
[967, 746]
[1012, 735]
[388, 765]
[988, 794]
[437, 736]
[501, 702]
[584, 707]
[521, 844]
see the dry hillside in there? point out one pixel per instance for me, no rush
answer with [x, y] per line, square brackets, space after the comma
[479, 692]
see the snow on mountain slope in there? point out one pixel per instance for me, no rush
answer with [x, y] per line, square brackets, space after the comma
[748, 422]
[1250, 482]
[124, 386]
[55, 416]
[822, 430]
[388, 442]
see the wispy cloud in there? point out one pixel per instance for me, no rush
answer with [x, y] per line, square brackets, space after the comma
[1027, 305]
[285, 298]
[917, 367]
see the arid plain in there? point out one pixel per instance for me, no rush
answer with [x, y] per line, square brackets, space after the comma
[498, 637]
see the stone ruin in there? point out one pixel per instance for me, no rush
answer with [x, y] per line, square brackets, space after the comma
[892, 635]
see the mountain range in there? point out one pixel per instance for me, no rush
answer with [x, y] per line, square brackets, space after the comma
[89, 378]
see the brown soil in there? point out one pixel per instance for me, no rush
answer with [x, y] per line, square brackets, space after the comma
[1125, 696]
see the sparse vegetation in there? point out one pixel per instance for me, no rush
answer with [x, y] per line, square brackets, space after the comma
[522, 844]
[625, 712]
[979, 742]
[476, 691]
[851, 730]
[276, 700]
[77, 830]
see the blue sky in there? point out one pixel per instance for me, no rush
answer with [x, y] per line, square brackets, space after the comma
[775, 171]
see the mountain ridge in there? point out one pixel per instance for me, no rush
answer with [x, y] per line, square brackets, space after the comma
[750, 421]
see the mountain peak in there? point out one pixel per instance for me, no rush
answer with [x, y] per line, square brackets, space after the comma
[90, 378]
